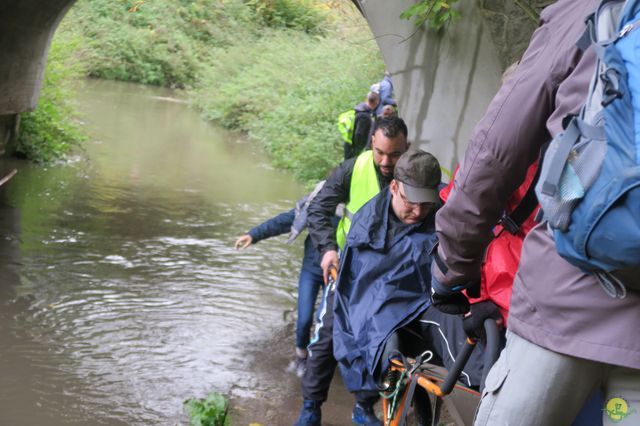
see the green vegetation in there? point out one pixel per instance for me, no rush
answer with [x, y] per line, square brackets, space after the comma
[173, 42]
[162, 43]
[280, 70]
[211, 411]
[287, 93]
[50, 131]
[437, 13]
[296, 15]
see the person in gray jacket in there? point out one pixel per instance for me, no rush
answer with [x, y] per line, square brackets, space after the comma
[565, 336]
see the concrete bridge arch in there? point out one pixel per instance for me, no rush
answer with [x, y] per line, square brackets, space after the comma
[26, 30]
[443, 80]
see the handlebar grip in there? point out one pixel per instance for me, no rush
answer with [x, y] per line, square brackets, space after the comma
[492, 351]
[461, 361]
[492, 348]
[333, 272]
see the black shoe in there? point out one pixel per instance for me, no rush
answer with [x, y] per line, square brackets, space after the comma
[310, 415]
[364, 416]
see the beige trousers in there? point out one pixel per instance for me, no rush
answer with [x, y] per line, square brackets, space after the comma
[531, 385]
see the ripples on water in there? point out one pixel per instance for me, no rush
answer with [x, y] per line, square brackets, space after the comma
[129, 297]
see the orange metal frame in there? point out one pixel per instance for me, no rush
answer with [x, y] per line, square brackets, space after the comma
[425, 381]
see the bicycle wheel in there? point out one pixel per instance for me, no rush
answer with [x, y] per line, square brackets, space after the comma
[420, 413]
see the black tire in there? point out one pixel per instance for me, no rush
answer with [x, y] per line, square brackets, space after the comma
[420, 413]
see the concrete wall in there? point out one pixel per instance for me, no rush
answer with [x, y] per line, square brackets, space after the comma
[8, 131]
[26, 30]
[443, 80]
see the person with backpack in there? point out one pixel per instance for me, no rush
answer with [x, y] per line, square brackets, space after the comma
[355, 125]
[384, 88]
[566, 335]
[310, 280]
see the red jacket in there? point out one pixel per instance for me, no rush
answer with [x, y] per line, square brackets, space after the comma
[503, 253]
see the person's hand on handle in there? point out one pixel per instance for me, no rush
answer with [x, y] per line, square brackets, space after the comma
[473, 322]
[329, 260]
[243, 242]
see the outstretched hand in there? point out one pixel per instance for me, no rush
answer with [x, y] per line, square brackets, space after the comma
[243, 242]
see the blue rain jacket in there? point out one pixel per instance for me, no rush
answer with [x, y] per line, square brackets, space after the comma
[382, 286]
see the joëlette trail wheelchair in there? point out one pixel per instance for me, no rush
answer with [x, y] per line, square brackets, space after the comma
[416, 392]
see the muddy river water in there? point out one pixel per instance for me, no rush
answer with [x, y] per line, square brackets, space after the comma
[120, 292]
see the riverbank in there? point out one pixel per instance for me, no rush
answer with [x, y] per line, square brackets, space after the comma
[280, 71]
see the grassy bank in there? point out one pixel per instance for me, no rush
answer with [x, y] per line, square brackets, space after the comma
[281, 70]
[51, 130]
[286, 90]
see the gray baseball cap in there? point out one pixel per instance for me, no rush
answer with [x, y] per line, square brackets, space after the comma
[420, 175]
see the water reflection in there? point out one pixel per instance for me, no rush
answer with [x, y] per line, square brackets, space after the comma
[126, 296]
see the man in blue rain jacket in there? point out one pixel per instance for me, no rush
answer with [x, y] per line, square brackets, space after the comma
[384, 279]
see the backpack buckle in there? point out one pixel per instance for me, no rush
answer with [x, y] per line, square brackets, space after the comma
[509, 224]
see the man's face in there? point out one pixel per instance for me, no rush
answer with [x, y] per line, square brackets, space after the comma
[408, 212]
[386, 151]
[387, 111]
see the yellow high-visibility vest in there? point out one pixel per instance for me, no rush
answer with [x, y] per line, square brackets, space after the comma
[364, 186]
[346, 124]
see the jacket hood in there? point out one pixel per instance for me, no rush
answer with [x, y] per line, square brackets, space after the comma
[362, 107]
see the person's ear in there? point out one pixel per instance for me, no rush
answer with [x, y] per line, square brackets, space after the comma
[393, 185]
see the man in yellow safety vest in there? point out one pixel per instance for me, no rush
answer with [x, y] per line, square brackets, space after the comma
[354, 182]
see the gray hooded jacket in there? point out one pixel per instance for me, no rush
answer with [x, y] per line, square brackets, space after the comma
[553, 304]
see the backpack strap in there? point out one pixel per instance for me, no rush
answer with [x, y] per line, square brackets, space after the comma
[586, 38]
[512, 221]
[567, 140]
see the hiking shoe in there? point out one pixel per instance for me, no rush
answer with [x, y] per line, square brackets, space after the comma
[364, 416]
[310, 414]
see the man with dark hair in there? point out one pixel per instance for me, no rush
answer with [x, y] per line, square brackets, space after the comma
[354, 182]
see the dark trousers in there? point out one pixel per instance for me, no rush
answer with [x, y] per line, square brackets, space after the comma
[443, 335]
[321, 364]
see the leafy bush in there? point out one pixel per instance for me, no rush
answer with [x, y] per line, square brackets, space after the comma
[303, 15]
[171, 42]
[437, 13]
[212, 411]
[287, 91]
[281, 70]
[50, 131]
